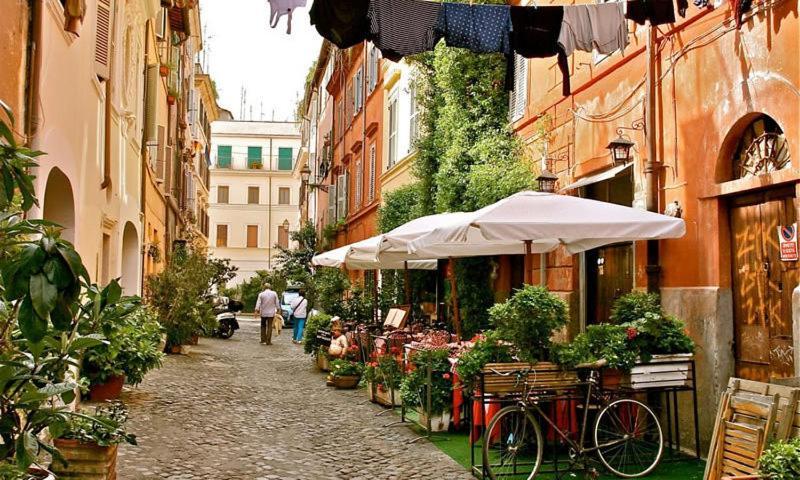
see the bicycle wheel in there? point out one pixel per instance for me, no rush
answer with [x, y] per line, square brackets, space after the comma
[629, 439]
[512, 445]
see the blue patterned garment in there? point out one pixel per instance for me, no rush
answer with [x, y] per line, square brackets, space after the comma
[479, 28]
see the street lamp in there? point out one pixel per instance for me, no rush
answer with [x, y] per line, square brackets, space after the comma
[620, 150]
[547, 181]
[305, 174]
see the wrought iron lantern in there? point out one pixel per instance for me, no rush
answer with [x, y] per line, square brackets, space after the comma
[547, 181]
[620, 150]
[305, 174]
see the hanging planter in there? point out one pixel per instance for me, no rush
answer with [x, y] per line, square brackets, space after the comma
[163, 70]
[171, 99]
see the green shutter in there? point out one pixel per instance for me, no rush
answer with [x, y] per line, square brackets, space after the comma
[253, 156]
[285, 156]
[224, 154]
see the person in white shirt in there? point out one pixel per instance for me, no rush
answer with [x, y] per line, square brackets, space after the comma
[300, 313]
[266, 307]
[339, 344]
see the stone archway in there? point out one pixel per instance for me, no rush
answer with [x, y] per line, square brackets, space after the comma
[59, 203]
[129, 278]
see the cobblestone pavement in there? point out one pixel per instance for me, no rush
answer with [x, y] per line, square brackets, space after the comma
[235, 409]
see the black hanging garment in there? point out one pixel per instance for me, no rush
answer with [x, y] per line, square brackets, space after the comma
[535, 33]
[342, 22]
[403, 27]
[659, 12]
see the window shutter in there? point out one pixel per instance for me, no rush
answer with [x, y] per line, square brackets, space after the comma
[332, 204]
[373, 165]
[341, 201]
[167, 171]
[285, 158]
[252, 236]
[159, 164]
[519, 96]
[253, 194]
[222, 235]
[151, 104]
[359, 182]
[224, 154]
[102, 44]
[254, 157]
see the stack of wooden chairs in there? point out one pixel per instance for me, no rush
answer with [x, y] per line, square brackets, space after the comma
[750, 416]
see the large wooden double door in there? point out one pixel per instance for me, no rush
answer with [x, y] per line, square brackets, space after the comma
[762, 285]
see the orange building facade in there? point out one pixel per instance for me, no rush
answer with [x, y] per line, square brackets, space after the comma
[718, 134]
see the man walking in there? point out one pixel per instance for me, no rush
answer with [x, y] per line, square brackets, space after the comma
[266, 307]
[300, 313]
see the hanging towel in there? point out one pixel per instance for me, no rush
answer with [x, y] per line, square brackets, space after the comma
[594, 27]
[479, 28]
[403, 27]
[344, 23]
[659, 12]
[279, 8]
[535, 34]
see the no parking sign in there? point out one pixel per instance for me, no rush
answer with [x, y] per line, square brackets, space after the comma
[787, 235]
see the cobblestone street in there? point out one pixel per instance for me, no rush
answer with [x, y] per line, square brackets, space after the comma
[234, 409]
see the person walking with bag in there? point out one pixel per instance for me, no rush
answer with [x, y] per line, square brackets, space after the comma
[300, 313]
[266, 307]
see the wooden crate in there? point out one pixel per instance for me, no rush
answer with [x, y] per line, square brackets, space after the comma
[541, 376]
[662, 371]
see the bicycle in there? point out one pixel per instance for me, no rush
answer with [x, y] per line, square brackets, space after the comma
[627, 435]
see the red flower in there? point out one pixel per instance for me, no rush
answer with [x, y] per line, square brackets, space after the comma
[395, 350]
[446, 376]
[632, 333]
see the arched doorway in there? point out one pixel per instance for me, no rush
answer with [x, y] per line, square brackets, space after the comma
[130, 260]
[59, 204]
[762, 279]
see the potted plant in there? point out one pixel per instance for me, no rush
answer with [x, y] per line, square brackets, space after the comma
[781, 460]
[528, 320]
[414, 388]
[172, 96]
[346, 374]
[604, 341]
[383, 376]
[133, 349]
[486, 348]
[163, 69]
[87, 446]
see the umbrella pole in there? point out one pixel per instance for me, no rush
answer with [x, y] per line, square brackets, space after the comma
[454, 293]
[528, 263]
[375, 314]
[406, 283]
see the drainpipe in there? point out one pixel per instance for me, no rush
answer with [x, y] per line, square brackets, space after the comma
[34, 72]
[142, 163]
[653, 267]
[108, 106]
[269, 210]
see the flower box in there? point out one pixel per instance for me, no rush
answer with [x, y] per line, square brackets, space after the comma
[346, 382]
[323, 363]
[439, 422]
[663, 371]
[383, 396]
[371, 391]
[541, 376]
[107, 391]
[85, 461]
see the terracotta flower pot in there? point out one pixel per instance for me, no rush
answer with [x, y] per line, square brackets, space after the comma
[87, 461]
[170, 100]
[163, 70]
[175, 349]
[107, 391]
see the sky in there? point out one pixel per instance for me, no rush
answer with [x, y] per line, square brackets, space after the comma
[243, 51]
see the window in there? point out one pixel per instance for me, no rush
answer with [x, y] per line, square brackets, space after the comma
[359, 182]
[414, 117]
[331, 204]
[519, 97]
[284, 196]
[372, 69]
[392, 129]
[224, 156]
[102, 45]
[222, 194]
[222, 235]
[161, 24]
[373, 167]
[283, 235]
[252, 236]
[252, 195]
[341, 196]
[348, 93]
[254, 157]
[762, 149]
[358, 89]
[285, 157]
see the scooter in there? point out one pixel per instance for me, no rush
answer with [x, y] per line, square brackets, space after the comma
[225, 311]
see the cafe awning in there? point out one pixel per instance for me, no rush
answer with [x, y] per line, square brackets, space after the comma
[599, 177]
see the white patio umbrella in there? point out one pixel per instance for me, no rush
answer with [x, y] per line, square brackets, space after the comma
[545, 221]
[363, 256]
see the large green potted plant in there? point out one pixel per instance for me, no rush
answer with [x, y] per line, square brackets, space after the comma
[528, 320]
[133, 349]
[45, 294]
[486, 348]
[781, 460]
[87, 446]
[428, 388]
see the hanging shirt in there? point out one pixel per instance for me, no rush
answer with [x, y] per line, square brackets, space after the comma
[659, 12]
[599, 27]
[479, 28]
[279, 8]
[403, 27]
[342, 22]
[534, 34]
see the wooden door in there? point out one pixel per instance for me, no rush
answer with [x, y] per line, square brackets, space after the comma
[609, 275]
[762, 286]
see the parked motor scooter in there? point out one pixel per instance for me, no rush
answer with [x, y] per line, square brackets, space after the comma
[225, 311]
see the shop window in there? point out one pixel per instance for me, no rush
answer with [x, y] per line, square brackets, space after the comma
[762, 149]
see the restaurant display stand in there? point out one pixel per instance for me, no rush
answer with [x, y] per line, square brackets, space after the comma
[563, 403]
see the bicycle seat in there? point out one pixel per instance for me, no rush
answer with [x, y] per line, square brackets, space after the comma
[596, 365]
